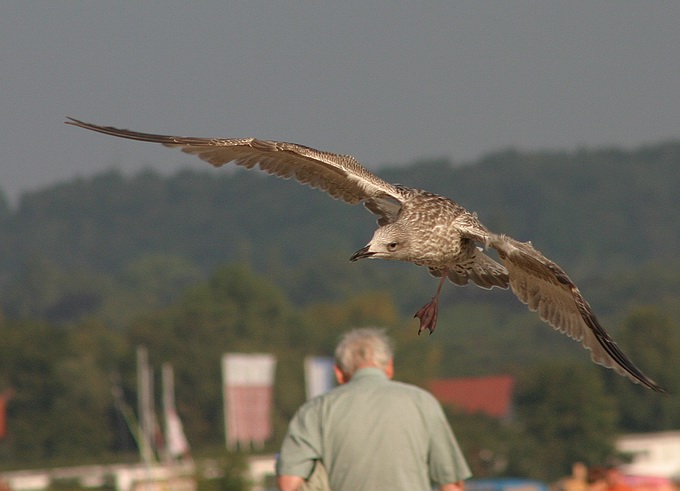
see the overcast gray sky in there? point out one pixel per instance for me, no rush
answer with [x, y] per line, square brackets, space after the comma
[385, 81]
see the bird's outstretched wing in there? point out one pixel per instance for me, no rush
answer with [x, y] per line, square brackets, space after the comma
[545, 287]
[341, 176]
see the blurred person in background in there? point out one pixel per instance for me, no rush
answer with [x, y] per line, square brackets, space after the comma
[370, 432]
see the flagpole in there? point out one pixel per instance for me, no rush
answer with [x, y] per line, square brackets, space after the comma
[144, 395]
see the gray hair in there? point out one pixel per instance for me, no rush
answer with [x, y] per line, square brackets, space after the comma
[368, 346]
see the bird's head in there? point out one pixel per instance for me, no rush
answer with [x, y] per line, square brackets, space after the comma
[389, 242]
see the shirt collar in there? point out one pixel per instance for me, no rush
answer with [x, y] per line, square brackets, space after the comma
[368, 372]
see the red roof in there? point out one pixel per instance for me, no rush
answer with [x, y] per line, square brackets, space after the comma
[489, 395]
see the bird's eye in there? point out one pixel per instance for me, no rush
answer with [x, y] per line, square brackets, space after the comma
[392, 246]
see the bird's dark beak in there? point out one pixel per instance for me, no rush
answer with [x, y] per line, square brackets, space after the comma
[361, 254]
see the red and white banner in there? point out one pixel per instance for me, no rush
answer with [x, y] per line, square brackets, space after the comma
[248, 398]
[176, 443]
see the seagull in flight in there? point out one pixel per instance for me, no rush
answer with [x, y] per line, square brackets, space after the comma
[423, 228]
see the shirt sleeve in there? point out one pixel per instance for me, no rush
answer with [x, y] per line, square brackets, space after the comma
[446, 461]
[301, 447]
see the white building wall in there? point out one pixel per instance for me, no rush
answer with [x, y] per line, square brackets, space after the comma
[654, 454]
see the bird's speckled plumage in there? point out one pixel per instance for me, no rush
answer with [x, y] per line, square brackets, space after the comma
[423, 228]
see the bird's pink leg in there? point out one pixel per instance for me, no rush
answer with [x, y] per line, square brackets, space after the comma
[429, 312]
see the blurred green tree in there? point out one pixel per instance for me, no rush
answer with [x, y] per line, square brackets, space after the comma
[652, 340]
[566, 411]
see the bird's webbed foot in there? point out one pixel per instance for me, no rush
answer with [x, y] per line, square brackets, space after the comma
[428, 316]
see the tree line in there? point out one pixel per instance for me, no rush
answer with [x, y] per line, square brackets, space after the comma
[566, 408]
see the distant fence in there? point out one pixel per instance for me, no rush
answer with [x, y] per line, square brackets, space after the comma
[122, 477]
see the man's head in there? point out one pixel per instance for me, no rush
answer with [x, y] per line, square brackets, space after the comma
[361, 348]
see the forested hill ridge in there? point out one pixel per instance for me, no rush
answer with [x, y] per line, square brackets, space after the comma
[598, 213]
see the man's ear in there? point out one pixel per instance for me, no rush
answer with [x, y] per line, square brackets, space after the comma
[389, 371]
[339, 375]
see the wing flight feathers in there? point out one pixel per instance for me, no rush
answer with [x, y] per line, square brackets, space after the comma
[341, 176]
[544, 287]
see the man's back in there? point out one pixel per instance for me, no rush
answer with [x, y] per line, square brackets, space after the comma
[372, 433]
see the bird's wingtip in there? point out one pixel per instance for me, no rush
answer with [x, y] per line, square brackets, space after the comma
[73, 121]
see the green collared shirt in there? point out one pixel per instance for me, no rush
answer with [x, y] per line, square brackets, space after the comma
[371, 434]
